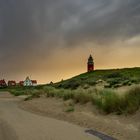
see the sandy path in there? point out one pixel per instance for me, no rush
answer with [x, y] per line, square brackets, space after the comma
[121, 127]
[17, 124]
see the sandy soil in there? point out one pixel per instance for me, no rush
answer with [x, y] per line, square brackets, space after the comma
[6, 132]
[17, 124]
[120, 127]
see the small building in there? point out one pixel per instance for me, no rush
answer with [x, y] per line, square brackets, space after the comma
[21, 83]
[11, 83]
[29, 82]
[3, 83]
[34, 83]
[51, 83]
[90, 64]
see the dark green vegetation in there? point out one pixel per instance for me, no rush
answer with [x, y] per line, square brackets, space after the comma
[81, 89]
[19, 90]
[111, 78]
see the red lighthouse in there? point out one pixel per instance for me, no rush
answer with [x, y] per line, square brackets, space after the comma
[90, 64]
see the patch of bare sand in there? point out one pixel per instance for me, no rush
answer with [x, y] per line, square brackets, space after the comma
[5, 95]
[120, 127]
[6, 132]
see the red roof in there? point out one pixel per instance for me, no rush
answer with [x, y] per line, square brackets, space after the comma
[11, 83]
[34, 81]
[2, 82]
[21, 83]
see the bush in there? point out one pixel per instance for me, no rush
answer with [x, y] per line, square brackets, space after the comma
[35, 93]
[132, 100]
[18, 92]
[113, 82]
[70, 109]
[72, 84]
[60, 93]
[107, 86]
[107, 100]
[49, 91]
[68, 95]
[82, 96]
[28, 98]
[125, 82]
[114, 75]
[91, 82]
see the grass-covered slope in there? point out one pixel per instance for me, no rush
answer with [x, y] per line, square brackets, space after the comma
[82, 89]
[110, 78]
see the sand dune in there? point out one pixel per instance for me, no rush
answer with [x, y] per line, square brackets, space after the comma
[121, 127]
[17, 124]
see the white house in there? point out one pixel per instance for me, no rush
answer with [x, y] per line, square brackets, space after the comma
[27, 82]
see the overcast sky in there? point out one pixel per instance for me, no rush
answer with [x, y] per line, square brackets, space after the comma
[51, 40]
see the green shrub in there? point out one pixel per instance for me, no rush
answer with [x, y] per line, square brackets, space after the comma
[18, 92]
[73, 84]
[132, 100]
[82, 96]
[91, 82]
[26, 91]
[70, 109]
[35, 94]
[28, 98]
[107, 86]
[68, 94]
[109, 101]
[106, 100]
[113, 82]
[125, 82]
[50, 91]
[114, 75]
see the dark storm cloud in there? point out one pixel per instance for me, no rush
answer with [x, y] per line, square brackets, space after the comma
[25, 23]
[31, 28]
[110, 20]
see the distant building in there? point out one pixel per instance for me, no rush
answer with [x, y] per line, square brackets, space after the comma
[11, 83]
[51, 83]
[3, 83]
[34, 82]
[90, 64]
[29, 82]
[21, 83]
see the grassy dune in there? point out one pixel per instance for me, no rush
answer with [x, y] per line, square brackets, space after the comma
[106, 100]
[82, 89]
[112, 78]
